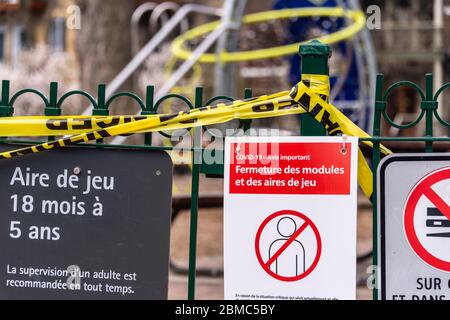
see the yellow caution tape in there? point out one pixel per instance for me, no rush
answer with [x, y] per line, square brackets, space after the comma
[334, 121]
[266, 106]
[274, 105]
[319, 84]
[310, 96]
[357, 17]
[308, 93]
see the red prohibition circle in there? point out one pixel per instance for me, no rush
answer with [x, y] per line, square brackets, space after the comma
[310, 224]
[411, 203]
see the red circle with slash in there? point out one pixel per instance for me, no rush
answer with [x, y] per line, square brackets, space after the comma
[308, 223]
[424, 189]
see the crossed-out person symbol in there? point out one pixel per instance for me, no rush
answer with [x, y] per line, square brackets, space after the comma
[291, 262]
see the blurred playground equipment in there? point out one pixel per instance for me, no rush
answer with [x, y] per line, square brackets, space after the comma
[341, 23]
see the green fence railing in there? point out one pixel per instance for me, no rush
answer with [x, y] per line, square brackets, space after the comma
[53, 105]
[315, 58]
[429, 109]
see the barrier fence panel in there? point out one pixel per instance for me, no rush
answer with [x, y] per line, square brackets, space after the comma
[429, 109]
[315, 58]
[53, 106]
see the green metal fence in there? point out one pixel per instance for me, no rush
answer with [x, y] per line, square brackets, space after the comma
[53, 105]
[315, 57]
[429, 109]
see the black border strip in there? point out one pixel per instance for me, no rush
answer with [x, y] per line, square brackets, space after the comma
[381, 213]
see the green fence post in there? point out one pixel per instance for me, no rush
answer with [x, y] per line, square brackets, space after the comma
[5, 109]
[246, 124]
[52, 109]
[315, 56]
[380, 106]
[196, 164]
[149, 110]
[101, 109]
[429, 106]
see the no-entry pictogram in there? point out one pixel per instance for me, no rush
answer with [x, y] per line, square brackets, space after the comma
[288, 245]
[427, 219]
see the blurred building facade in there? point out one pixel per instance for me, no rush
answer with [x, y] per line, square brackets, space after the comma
[414, 39]
[104, 26]
[27, 23]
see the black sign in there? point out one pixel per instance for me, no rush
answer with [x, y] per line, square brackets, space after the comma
[82, 223]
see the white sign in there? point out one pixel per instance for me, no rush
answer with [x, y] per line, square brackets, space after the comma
[414, 227]
[290, 218]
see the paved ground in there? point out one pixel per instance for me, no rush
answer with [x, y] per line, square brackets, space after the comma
[210, 245]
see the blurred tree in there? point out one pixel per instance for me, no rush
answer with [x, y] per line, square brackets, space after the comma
[104, 46]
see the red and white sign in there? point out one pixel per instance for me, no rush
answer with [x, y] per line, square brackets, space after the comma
[290, 218]
[427, 219]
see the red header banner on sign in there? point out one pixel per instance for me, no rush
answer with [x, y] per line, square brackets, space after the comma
[290, 168]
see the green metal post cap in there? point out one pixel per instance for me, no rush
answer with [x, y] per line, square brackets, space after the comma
[315, 48]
